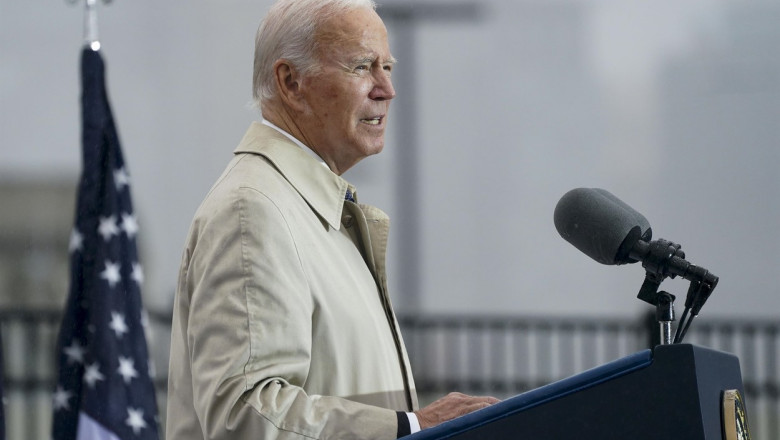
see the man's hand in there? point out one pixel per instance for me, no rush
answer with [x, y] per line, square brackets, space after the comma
[450, 406]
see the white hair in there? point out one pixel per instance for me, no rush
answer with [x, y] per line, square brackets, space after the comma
[288, 32]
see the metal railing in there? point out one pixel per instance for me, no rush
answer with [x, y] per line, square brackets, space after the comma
[504, 356]
[500, 356]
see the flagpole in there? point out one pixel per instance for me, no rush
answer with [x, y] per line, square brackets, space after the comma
[91, 25]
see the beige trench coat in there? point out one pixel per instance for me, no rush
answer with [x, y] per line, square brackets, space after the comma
[282, 326]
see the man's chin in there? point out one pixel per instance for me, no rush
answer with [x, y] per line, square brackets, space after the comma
[377, 149]
[372, 148]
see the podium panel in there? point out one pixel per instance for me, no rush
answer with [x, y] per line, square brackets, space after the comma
[673, 392]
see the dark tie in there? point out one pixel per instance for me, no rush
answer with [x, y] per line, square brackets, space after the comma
[348, 197]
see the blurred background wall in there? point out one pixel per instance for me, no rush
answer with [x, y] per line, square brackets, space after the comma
[672, 106]
[503, 106]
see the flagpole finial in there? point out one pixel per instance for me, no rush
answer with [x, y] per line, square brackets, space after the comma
[90, 22]
[91, 25]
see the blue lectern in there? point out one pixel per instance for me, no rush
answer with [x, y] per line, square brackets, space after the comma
[672, 392]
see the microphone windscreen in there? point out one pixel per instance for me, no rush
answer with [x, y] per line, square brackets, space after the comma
[639, 219]
[600, 225]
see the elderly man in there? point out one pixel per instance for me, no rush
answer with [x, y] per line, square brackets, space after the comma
[282, 326]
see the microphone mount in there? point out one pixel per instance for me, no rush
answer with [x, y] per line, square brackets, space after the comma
[663, 302]
[662, 259]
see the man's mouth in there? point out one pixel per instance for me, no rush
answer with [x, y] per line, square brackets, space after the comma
[372, 121]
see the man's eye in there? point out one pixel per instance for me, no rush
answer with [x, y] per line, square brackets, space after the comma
[362, 67]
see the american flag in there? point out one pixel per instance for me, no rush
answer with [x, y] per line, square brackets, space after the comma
[104, 388]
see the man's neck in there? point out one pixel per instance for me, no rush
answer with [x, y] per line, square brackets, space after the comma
[294, 139]
[283, 121]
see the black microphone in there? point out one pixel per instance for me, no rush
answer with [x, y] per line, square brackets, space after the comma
[611, 232]
[600, 225]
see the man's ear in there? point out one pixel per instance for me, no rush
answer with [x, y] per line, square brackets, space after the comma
[288, 82]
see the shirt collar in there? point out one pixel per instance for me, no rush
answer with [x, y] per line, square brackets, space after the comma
[303, 146]
[322, 189]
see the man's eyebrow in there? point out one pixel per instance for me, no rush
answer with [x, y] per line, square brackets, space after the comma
[370, 59]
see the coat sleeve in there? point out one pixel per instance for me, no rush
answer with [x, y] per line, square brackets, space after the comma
[249, 332]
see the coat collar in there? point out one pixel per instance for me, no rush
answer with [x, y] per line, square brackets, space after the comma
[322, 189]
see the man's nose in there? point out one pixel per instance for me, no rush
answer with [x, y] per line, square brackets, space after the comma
[383, 87]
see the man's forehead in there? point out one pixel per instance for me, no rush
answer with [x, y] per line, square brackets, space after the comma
[356, 32]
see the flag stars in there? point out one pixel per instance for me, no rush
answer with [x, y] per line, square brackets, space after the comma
[75, 353]
[93, 374]
[108, 227]
[60, 399]
[111, 273]
[118, 324]
[76, 241]
[127, 369]
[138, 274]
[129, 225]
[121, 178]
[135, 419]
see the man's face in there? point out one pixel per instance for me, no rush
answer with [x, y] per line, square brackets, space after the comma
[348, 97]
